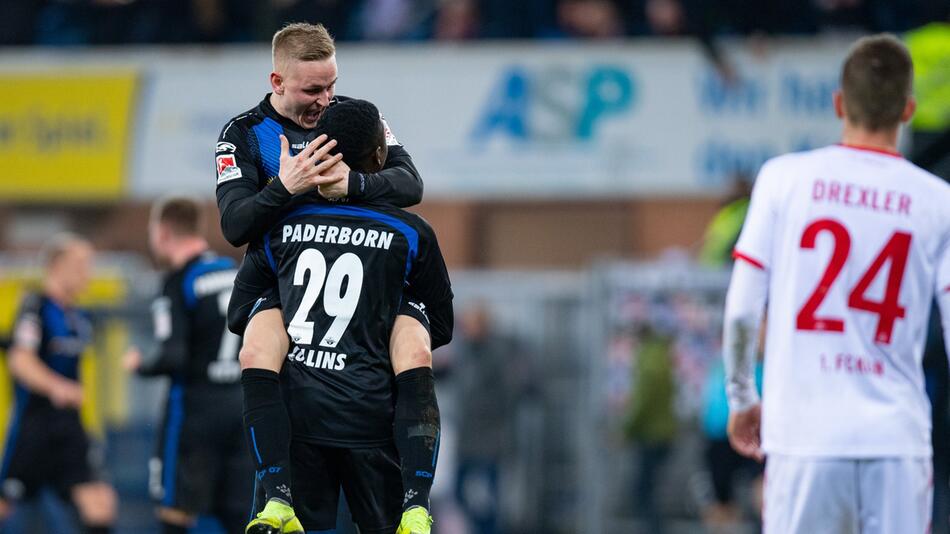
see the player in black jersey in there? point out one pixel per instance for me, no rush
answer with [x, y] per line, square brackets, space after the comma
[46, 443]
[201, 463]
[268, 159]
[362, 417]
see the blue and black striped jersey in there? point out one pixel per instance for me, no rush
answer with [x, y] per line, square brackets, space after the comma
[57, 334]
[342, 273]
[193, 345]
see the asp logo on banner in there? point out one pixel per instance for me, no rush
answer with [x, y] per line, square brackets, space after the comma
[65, 136]
[557, 103]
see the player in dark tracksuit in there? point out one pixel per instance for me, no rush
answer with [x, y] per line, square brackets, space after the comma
[46, 443]
[201, 464]
[342, 271]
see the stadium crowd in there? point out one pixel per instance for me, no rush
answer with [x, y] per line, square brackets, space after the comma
[103, 22]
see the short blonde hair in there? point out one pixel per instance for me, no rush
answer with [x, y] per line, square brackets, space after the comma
[59, 245]
[302, 42]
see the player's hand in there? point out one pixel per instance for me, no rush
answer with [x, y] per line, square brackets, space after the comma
[302, 173]
[132, 359]
[340, 186]
[5, 509]
[745, 432]
[66, 394]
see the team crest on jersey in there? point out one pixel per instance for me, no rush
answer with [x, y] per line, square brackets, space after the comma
[227, 168]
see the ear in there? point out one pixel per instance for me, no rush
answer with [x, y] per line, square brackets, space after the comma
[909, 109]
[379, 157]
[277, 83]
[838, 98]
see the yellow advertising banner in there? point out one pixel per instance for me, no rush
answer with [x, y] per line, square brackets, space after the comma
[64, 137]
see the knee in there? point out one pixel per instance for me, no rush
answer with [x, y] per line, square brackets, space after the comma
[412, 356]
[257, 356]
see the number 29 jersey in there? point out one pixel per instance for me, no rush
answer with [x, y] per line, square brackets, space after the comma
[855, 243]
[341, 273]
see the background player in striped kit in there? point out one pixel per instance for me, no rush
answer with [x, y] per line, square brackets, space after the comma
[46, 444]
[201, 464]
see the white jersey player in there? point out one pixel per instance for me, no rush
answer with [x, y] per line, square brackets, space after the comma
[847, 245]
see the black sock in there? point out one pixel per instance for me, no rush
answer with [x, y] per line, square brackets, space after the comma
[88, 529]
[417, 430]
[169, 528]
[267, 425]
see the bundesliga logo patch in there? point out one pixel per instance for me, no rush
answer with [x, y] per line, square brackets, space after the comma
[227, 168]
[224, 147]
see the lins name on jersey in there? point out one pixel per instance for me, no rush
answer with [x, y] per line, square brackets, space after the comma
[341, 273]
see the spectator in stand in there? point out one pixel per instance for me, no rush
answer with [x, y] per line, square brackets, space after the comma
[335, 15]
[650, 423]
[457, 20]
[490, 371]
[930, 127]
[388, 20]
[591, 19]
[723, 230]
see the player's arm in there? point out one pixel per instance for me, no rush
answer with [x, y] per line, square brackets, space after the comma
[429, 282]
[27, 366]
[398, 184]
[748, 291]
[254, 279]
[169, 352]
[745, 306]
[438, 319]
[243, 206]
[247, 210]
[742, 321]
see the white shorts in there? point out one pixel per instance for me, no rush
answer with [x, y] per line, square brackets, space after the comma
[844, 496]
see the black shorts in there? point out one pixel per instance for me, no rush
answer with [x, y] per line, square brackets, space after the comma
[46, 448]
[247, 300]
[202, 464]
[370, 478]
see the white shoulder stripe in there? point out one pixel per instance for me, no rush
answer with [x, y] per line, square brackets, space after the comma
[235, 119]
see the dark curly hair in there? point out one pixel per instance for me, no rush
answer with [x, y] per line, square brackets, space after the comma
[357, 128]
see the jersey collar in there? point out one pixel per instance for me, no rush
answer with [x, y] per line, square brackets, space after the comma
[872, 149]
[268, 110]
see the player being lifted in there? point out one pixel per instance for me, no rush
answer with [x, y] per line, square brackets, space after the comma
[46, 443]
[259, 177]
[847, 245]
[201, 465]
[355, 411]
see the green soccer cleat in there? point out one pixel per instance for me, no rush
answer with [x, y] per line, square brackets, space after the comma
[415, 520]
[276, 518]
